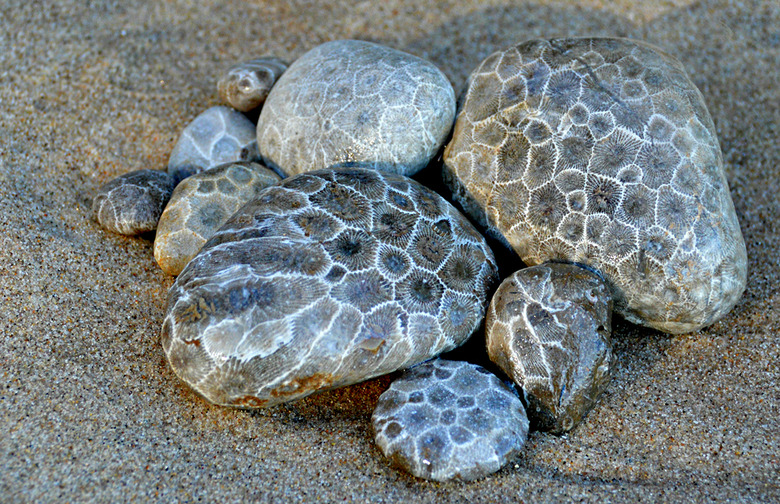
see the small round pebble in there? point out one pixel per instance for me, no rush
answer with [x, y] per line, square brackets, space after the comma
[350, 101]
[218, 135]
[132, 203]
[549, 328]
[245, 86]
[200, 205]
[450, 420]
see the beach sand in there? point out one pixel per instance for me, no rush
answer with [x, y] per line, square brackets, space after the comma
[91, 412]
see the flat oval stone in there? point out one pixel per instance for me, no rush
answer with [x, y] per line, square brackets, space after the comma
[549, 328]
[602, 152]
[246, 86]
[132, 203]
[350, 101]
[200, 205]
[217, 136]
[450, 420]
[325, 279]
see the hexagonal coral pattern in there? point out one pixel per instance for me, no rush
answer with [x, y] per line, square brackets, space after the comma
[325, 279]
[446, 420]
[601, 151]
[351, 101]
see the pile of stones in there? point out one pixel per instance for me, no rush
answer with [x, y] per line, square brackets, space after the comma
[307, 259]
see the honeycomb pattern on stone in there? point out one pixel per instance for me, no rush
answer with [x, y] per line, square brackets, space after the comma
[351, 101]
[218, 135]
[245, 86]
[132, 203]
[549, 328]
[449, 420]
[601, 151]
[200, 205]
[325, 279]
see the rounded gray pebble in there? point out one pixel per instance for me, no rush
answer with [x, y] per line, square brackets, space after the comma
[350, 101]
[549, 328]
[132, 203]
[246, 86]
[449, 420]
[217, 136]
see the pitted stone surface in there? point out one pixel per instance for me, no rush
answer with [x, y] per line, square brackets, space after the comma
[449, 420]
[326, 279]
[549, 328]
[132, 203]
[200, 205]
[217, 136]
[246, 86]
[602, 152]
[350, 101]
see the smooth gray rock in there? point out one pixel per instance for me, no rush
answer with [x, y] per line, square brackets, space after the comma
[217, 136]
[132, 203]
[602, 152]
[325, 279]
[350, 101]
[549, 328]
[449, 420]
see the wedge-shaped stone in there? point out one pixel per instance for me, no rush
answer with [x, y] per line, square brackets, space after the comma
[549, 329]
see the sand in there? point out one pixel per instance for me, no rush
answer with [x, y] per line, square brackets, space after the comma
[89, 409]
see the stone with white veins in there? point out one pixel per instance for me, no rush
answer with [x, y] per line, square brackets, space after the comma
[449, 420]
[602, 152]
[217, 136]
[132, 203]
[245, 86]
[326, 279]
[350, 101]
[200, 205]
[549, 328]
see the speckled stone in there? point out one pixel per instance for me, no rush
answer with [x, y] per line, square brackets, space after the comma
[246, 86]
[325, 279]
[450, 420]
[217, 136]
[200, 205]
[350, 101]
[132, 203]
[549, 328]
[602, 152]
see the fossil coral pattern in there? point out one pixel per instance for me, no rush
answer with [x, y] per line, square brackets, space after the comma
[549, 328]
[601, 151]
[351, 101]
[325, 279]
[446, 420]
[200, 205]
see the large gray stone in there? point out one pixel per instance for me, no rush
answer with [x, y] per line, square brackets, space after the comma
[324, 280]
[350, 101]
[602, 152]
